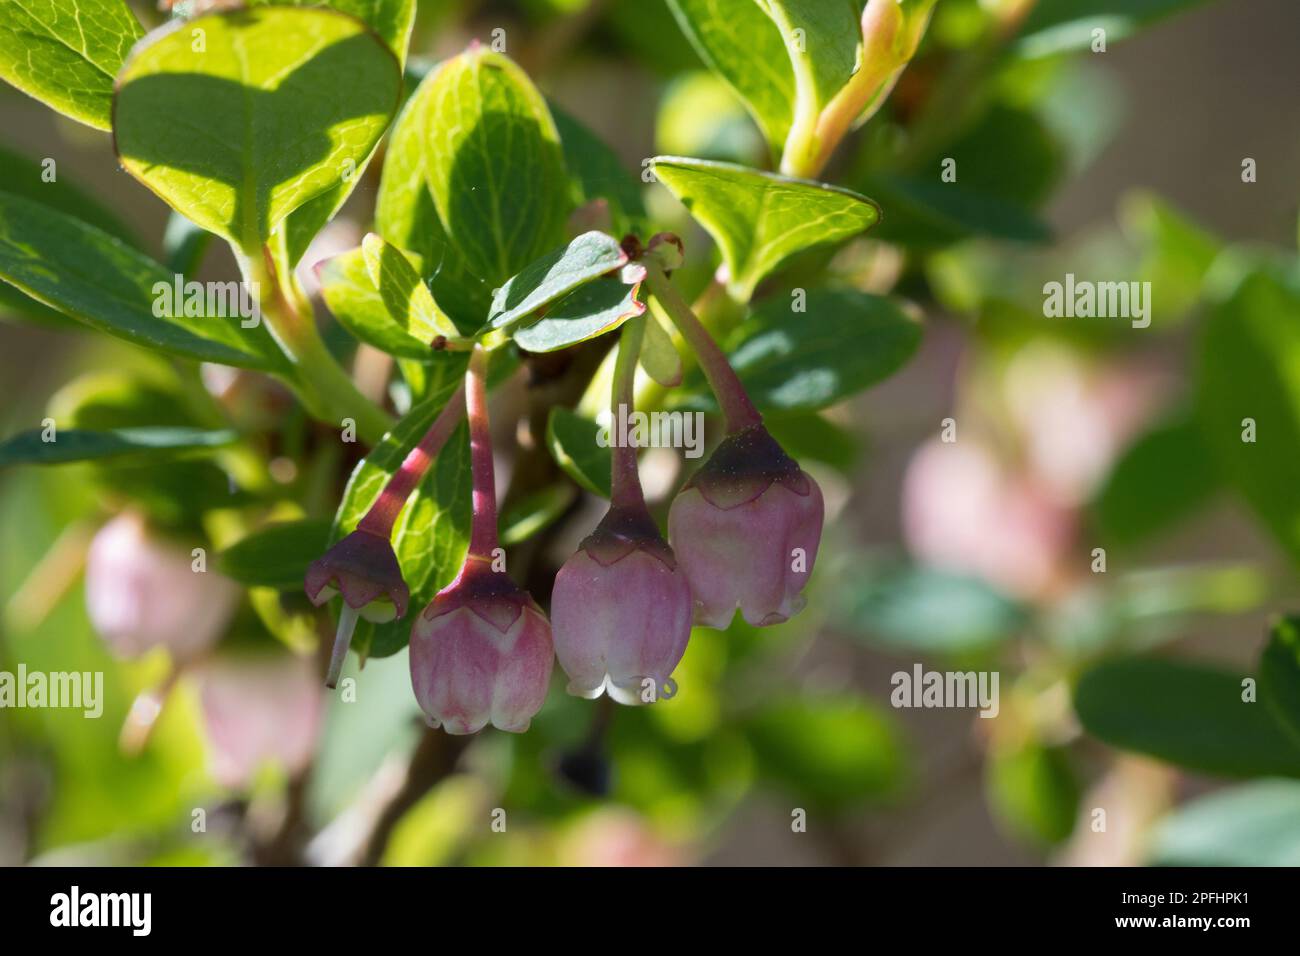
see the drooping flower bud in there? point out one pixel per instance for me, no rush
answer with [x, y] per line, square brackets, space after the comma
[143, 593]
[481, 653]
[363, 568]
[621, 609]
[745, 529]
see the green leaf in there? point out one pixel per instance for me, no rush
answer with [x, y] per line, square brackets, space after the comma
[742, 44]
[1160, 479]
[492, 161]
[802, 361]
[596, 172]
[277, 555]
[810, 435]
[1250, 373]
[761, 219]
[1279, 675]
[573, 443]
[101, 281]
[72, 444]
[659, 356]
[66, 53]
[1034, 792]
[924, 610]
[431, 535]
[823, 40]
[1186, 714]
[835, 752]
[392, 20]
[403, 293]
[28, 179]
[554, 276]
[536, 512]
[1255, 824]
[406, 216]
[352, 298]
[589, 311]
[930, 212]
[280, 106]
[1060, 26]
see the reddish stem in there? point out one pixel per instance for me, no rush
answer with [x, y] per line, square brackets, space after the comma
[483, 527]
[383, 513]
[738, 411]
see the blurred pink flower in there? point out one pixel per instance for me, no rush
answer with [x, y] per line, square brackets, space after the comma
[616, 837]
[142, 592]
[257, 710]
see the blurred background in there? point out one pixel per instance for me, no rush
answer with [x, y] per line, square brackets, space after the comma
[1073, 435]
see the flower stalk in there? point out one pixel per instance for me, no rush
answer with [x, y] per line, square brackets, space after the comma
[738, 411]
[625, 482]
[483, 527]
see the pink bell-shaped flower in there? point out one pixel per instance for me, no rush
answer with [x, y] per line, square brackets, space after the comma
[745, 529]
[621, 609]
[481, 653]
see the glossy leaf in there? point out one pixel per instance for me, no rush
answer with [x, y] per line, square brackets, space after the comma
[554, 276]
[403, 293]
[573, 442]
[761, 219]
[102, 282]
[742, 44]
[280, 106]
[277, 555]
[823, 39]
[431, 534]
[1186, 714]
[591, 310]
[66, 53]
[492, 161]
[1248, 389]
[1279, 675]
[72, 444]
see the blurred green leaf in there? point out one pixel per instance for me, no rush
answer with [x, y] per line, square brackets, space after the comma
[277, 555]
[1177, 254]
[1186, 714]
[28, 178]
[659, 356]
[66, 53]
[1254, 824]
[1034, 792]
[925, 211]
[280, 106]
[71, 444]
[809, 435]
[700, 115]
[832, 751]
[761, 219]
[1279, 675]
[798, 361]
[353, 299]
[534, 513]
[431, 535]
[554, 276]
[1163, 477]
[1248, 381]
[493, 162]
[742, 44]
[588, 311]
[572, 442]
[1061, 26]
[102, 282]
[924, 609]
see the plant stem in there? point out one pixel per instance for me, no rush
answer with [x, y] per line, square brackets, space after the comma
[326, 389]
[383, 513]
[625, 483]
[737, 410]
[483, 527]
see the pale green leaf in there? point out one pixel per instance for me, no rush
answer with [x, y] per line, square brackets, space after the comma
[591, 310]
[281, 105]
[350, 293]
[659, 356]
[554, 276]
[66, 53]
[760, 219]
[403, 292]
